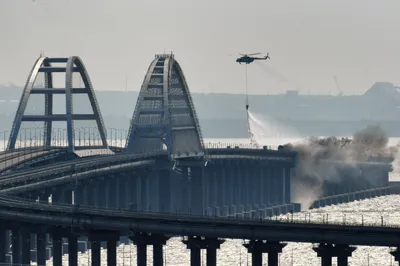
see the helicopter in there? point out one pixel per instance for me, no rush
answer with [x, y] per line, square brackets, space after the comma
[249, 58]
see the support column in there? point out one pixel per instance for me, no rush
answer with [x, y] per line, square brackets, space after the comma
[16, 247]
[327, 251]
[96, 238]
[258, 247]
[26, 247]
[211, 256]
[96, 259]
[158, 259]
[41, 248]
[396, 254]
[111, 253]
[142, 240]
[343, 253]
[3, 235]
[73, 250]
[57, 250]
[195, 244]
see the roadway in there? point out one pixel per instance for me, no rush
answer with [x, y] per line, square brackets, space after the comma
[29, 179]
[127, 222]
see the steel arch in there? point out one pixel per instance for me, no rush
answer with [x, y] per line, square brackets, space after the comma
[165, 113]
[43, 64]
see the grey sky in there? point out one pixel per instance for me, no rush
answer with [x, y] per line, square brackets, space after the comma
[309, 41]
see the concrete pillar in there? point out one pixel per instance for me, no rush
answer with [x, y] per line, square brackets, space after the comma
[327, 251]
[195, 257]
[73, 250]
[111, 253]
[41, 248]
[142, 240]
[96, 258]
[256, 258]
[195, 244]
[258, 247]
[3, 236]
[158, 259]
[16, 247]
[396, 254]
[211, 256]
[141, 254]
[57, 250]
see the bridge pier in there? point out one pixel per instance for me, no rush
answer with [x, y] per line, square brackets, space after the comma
[3, 244]
[328, 251]
[57, 249]
[73, 250]
[111, 238]
[96, 256]
[26, 247]
[195, 244]
[16, 247]
[41, 248]
[258, 247]
[142, 240]
[396, 254]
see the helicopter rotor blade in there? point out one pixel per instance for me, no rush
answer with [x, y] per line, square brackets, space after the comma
[254, 54]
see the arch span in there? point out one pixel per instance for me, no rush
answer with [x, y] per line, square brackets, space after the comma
[165, 113]
[68, 66]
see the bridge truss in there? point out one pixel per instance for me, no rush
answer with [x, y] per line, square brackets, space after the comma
[49, 66]
[164, 115]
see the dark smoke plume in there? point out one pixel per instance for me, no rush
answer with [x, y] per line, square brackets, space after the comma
[312, 169]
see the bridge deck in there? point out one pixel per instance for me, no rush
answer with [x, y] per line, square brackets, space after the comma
[123, 221]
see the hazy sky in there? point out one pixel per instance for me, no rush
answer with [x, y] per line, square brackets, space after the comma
[309, 41]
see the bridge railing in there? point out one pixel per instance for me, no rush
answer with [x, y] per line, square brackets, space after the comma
[90, 137]
[237, 145]
[349, 218]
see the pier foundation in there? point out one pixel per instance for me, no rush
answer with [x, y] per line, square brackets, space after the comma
[258, 247]
[327, 251]
[196, 244]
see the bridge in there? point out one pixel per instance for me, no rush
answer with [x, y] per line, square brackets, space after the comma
[73, 182]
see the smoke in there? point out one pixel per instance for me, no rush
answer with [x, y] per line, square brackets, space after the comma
[313, 170]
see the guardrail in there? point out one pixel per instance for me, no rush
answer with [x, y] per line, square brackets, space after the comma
[237, 145]
[66, 169]
[352, 196]
[300, 218]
